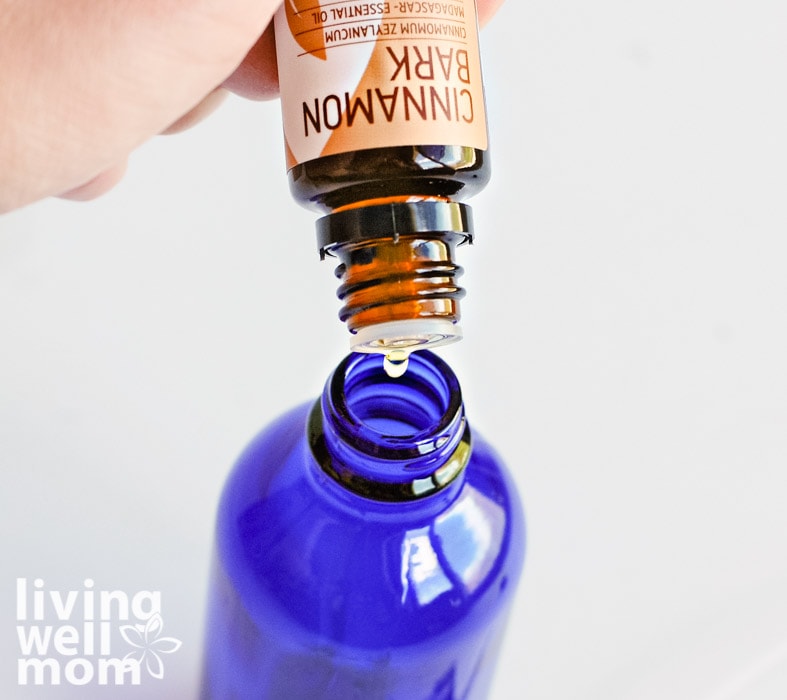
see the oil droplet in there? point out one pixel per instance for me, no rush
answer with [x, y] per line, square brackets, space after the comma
[395, 363]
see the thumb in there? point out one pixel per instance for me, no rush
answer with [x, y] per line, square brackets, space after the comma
[86, 82]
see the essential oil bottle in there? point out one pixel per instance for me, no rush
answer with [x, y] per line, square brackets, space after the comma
[368, 547]
[385, 133]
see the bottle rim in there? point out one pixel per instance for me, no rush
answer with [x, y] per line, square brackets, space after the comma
[387, 438]
[428, 378]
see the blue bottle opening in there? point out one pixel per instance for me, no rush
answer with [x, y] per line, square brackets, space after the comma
[391, 439]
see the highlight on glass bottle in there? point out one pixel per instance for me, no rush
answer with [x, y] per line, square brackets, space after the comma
[385, 134]
[366, 547]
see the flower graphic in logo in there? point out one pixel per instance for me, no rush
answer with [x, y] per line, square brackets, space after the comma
[148, 644]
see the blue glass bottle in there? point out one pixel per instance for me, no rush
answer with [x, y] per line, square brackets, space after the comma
[367, 548]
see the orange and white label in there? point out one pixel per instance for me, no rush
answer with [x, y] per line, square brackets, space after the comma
[357, 75]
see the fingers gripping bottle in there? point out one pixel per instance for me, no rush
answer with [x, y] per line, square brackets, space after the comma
[367, 548]
[385, 132]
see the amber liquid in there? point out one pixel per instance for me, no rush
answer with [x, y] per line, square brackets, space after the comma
[387, 280]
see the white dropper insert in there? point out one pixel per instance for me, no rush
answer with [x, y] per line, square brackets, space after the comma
[397, 339]
[409, 334]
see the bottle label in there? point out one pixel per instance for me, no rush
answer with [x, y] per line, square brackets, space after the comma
[357, 75]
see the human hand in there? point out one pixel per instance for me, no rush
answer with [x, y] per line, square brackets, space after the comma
[84, 83]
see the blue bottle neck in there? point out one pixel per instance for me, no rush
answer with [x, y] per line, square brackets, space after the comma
[391, 439]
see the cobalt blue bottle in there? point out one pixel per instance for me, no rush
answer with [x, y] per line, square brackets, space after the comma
[367, 547]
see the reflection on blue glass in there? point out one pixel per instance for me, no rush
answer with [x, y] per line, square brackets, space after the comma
[421, 568]
[467, 533]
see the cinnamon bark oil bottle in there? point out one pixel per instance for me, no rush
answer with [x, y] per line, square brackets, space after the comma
[385, 134]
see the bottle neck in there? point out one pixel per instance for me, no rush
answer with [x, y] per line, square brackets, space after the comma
[399, 278]
[391, 439]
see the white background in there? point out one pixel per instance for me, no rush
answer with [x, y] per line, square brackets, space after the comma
[625, 350]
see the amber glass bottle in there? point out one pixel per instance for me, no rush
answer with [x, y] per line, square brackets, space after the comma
[385, 133]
